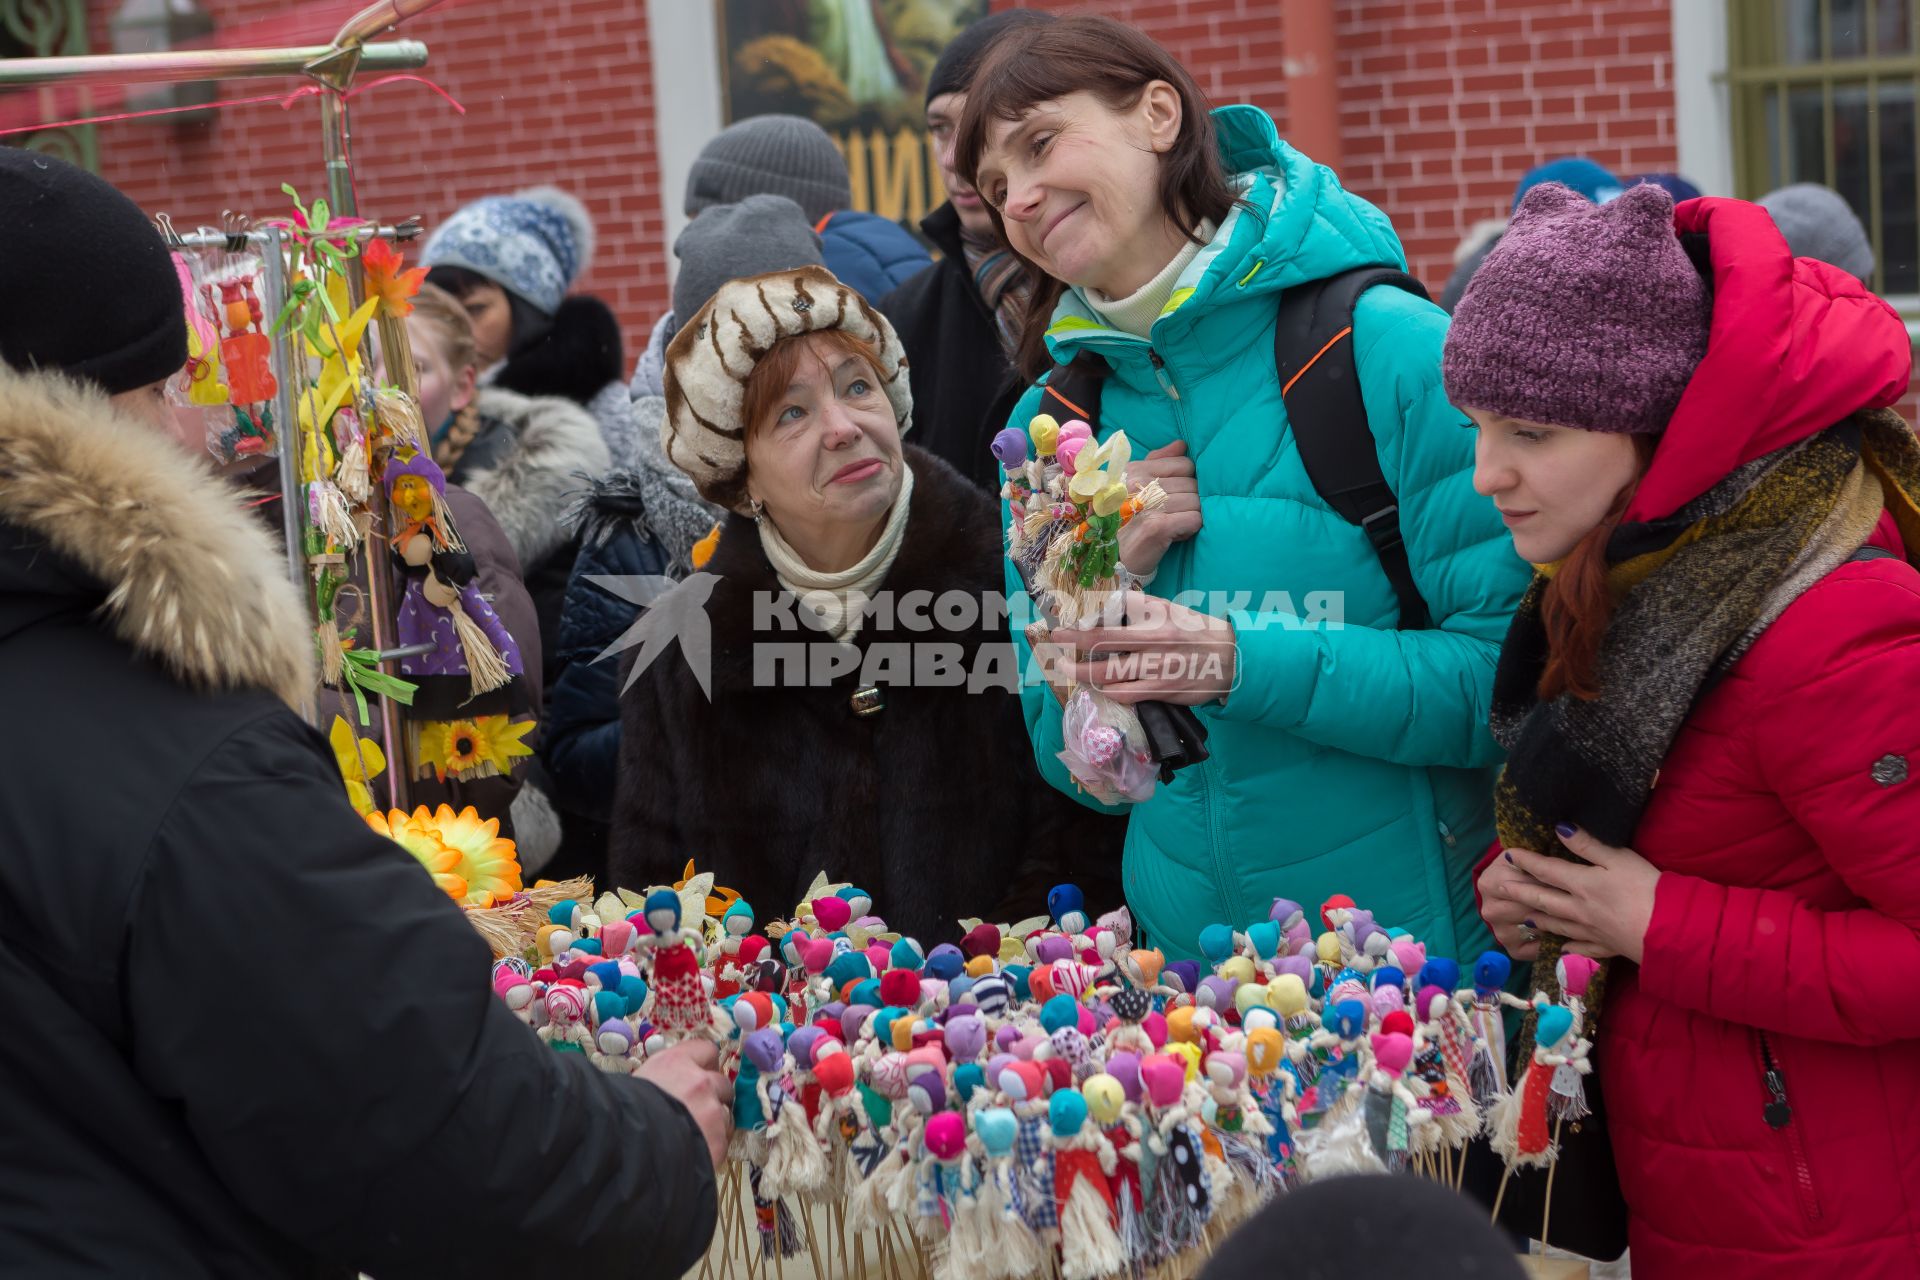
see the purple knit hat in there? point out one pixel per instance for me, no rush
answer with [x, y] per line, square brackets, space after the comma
[1584, 315]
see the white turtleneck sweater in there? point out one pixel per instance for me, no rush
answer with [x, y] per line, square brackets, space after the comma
[1136, 312]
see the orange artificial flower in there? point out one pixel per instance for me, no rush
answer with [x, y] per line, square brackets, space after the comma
[385, 279]
[441, 860]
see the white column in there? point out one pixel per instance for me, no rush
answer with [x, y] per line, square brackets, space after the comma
[1703, 111]
[684, 39]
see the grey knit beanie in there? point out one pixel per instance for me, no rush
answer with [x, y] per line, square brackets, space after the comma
[771, 155]
[730, 241]
[1819, 224]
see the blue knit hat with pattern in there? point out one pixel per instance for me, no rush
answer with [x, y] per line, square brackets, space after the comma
[534, 243]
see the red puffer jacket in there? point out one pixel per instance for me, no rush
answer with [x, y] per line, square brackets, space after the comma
[1785, 938]
[1762, 1065]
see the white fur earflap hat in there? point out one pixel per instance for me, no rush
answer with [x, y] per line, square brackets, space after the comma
[709, 360]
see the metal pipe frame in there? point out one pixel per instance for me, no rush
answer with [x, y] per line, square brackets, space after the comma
[203, 64]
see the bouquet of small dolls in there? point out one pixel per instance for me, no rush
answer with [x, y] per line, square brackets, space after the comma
[1068, 497]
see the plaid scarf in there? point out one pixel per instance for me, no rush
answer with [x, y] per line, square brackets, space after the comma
[1003, 286]
[1693, 592]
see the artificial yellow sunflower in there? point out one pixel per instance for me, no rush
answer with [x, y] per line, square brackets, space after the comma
[488, 861]
[441, 860]
[485, 746]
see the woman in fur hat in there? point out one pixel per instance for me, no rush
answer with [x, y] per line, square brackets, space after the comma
[246, 1035]
[1707, 700]
[853, 712]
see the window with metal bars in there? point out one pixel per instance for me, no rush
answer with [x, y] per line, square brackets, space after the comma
[1826, 91]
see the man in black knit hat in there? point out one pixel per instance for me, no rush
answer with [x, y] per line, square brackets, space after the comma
[81, 295]
[959, 319]
[246, 1036]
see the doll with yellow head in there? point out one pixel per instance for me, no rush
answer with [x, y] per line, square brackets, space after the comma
[473, 660]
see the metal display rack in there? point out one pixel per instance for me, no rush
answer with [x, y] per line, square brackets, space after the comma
[333, 67]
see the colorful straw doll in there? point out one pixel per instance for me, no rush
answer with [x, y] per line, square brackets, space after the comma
[1083, 1165]
[566, 1028]
[795, 1161]
[680, 1008]
[1013, 1249]
[951, 1185]
[1180, 1194]
[1520, 1125]
[1575, 974]
[472, 660]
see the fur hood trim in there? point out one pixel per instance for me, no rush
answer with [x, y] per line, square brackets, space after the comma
[557, 446]
[192, 581]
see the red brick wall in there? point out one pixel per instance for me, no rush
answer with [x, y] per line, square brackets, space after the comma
[1445, 103]
[567, 100]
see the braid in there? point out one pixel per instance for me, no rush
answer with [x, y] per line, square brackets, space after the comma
[466, 425]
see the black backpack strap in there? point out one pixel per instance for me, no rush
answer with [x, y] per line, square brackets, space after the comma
[1073, 391]
[1873, 553]
[1320, 385]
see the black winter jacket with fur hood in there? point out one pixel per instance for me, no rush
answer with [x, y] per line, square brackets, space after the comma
[246, 1036]
[933, 805]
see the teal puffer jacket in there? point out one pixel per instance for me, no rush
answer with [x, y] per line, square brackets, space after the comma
[1352, 759]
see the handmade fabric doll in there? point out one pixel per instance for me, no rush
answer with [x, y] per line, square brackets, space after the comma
[680, 1007]
[1519, 1123]
[473, 663]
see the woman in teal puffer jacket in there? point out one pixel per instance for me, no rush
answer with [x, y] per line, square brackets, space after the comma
[1350, 758]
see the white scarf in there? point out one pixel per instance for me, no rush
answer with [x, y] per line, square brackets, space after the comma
[833, 595]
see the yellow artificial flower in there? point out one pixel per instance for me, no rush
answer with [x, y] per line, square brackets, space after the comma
[488, 861]
[360, 761]
[1097, 469]
[441, 860]
[716, 898]
[459, 747]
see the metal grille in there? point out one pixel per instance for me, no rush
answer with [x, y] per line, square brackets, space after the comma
[1826, 91]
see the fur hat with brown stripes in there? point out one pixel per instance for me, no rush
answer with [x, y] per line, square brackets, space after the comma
[709, 360]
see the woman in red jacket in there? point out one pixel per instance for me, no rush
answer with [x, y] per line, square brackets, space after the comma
[1708, 697]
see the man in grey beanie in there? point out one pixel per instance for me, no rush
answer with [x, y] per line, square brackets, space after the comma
[761, 233]
[794, 157]
[1819, 224]
[960, 318]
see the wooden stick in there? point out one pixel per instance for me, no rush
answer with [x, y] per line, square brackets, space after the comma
[1508, 1173]
[756, 1262]
[1546, 1208]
